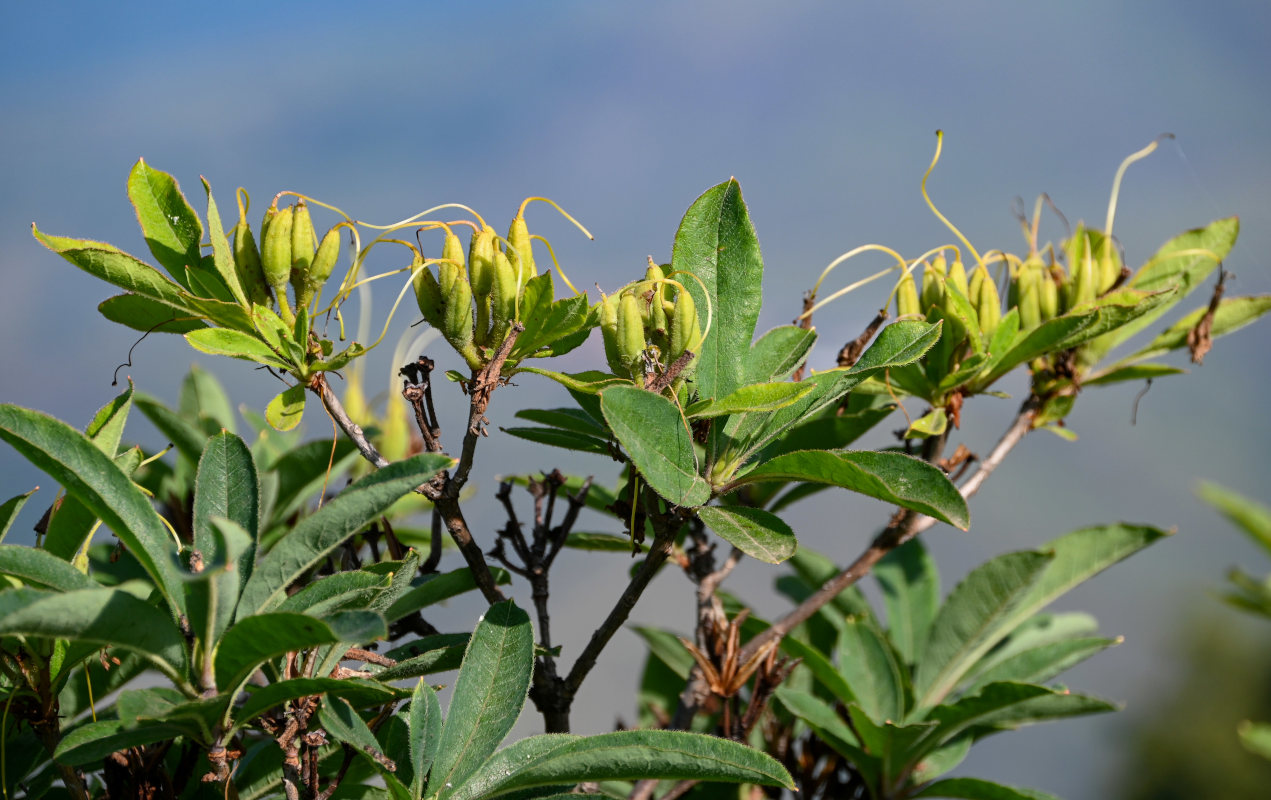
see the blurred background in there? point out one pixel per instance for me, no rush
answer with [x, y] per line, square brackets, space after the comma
[624, 113]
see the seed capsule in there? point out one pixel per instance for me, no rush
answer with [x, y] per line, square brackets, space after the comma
[988, 304]
[1085, 277]
[1028, 285]
[275, 254]
[321, 268]
[522, 253]
[957, 278]
[428, 293]
[907, 297]
[251, 275]
[303, 237]
[978, 276]
[685, 333]
[933, 278]
[1109, 265]
[481, 276]
[631, 341]
[456, 295]
[653, 306]
[609, 333]
[502, 298]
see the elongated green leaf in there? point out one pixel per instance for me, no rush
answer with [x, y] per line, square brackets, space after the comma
[342, 591]
[302, 472]
[590, 382]
[554, 759]
[892, 477]
[569, 419]
[9, 511]
[226, 486]
[285, 411]
[425, 734]
[429, 589]
[1199, 251]
[93, 741]
[358, 691]
[555, 320]
[976, 789]
[437, 653]
[833, 430]
[203, 398]
[96, 481]
[755, 532]
[911, 592]
[598, 542]
[195, 718]
[488, 696]
[188, 438]
[1132, 372]
[236, 344]
[753, 397]
[657, 438]
[344, 725]
[830, 728]
[667, 648]
[114, 266]
[222, 255]
[321, 532]
[1233, 314]
[149, 316]
[106, 428]
[1041, 663]
[870, 667]
[42, 568]
[971, 622]
[717, 243]
[1249, 515]
[102, 616]
[555, 437]
[260, 637]
[1045, 338]
[778, 353]
[171, 227]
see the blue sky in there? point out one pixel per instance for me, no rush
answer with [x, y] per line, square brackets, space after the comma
[624, 113]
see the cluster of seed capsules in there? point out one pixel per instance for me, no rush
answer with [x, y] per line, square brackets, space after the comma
[289, 255]
[651, 327]
[1038, 289]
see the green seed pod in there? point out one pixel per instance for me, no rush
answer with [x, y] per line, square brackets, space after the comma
[631, 341]
[481, 276]
[907, 297]
[456, 294]
[303, 240]
[609, 333]
[1048, 296]
[321, 268]
[988, 304]
[275, 253]
[1109, 265]
[502, 298]
[522, 253]
[978, 276]
[428, 293]
[653, 305]
[957, 278]
[251, 275]
[686, 331]
[933, 277]
[1085, 277]
[1028, 285]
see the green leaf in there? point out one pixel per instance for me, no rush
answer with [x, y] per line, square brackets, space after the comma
[345, 726]
[358, 691]
[830, 728]
[1256, 738]
[94, 741]
[892, 477]
[869, 665]
[893, 743]
[1114, 310]
[667, 648]
[235, 344]
[557, 321]
[1251, 517]
[755, 532]
[933, 423]
[343, 591]
[302, 472]
[9, 511]
[815, 570]
[753, 397]
[225, 517]
[1045, 338]
[203, 398]
[321, 532]
[147, 315]
[555, 437]
[437, 653]
[598, 542]
[976, 789]
[657, 438]
[970, 622]
[1041, 663]
[428, 590]
[488, 695]
[1132, 372]
[114, 266]
[95, 480]
[425, 733]
[222, 255]
[911, 592]
[589, 382]
[833, 430]
[778, 353]
[256, 639]
[286, 409]
[569, 419]
[101, 616]
[42, 568]
[553, 759]
[716, 242]
[171, 227]
[1233, 314]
